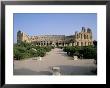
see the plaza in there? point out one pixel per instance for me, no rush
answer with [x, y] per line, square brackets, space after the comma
[55, 58]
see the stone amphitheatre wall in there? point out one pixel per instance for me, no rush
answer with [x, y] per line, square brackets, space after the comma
[83, 38]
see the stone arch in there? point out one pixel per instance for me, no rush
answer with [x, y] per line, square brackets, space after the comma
[84, 36]
[87, 37]
[81, 43]
[81, 36]
[88, 43]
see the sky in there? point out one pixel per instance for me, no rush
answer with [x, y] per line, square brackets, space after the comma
[54, 23]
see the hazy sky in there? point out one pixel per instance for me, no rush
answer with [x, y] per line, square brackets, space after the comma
[54, 23]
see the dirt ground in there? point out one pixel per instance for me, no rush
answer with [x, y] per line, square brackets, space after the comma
[58, 58]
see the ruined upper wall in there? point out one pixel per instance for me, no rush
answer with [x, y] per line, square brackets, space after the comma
[84, 35]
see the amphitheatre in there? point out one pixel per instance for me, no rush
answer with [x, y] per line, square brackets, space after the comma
[56, 57]
[83, 38]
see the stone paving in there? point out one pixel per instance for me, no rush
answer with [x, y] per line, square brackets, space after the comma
[57, 58]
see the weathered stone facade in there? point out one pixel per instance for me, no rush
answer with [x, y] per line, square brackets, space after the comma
[83, 38]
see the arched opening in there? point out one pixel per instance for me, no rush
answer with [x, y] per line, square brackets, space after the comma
[81, 43]
[84, 36]
[81, 36]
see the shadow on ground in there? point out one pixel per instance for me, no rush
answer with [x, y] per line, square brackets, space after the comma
[65, 70]
[77, 70]
[30, 72]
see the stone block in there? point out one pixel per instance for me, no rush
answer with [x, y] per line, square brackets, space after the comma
[56, 70]
[75, 57]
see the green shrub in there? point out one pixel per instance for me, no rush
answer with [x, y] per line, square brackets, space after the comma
[18, 55]
[19, 52]
[52, 47]
[88, 52]
[47, 48]
[26, 50]
[33, 53]
[41, 52]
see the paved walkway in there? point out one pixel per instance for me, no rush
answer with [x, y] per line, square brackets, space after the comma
[56, 57]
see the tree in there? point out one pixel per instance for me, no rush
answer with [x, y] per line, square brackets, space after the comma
[25, 50]
[41, 52]
[18, 55]
[95, 45]
[88, 52]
